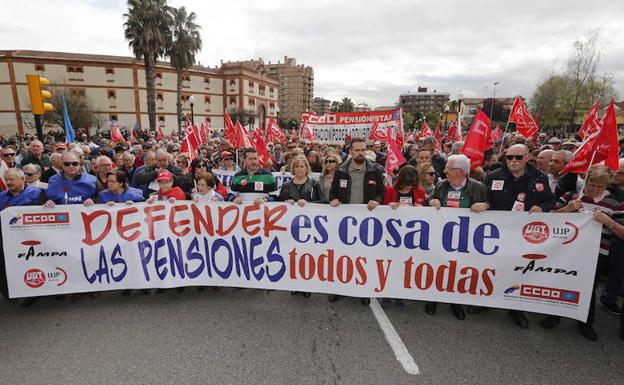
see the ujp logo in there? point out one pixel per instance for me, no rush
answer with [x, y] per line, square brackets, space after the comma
[536, 232]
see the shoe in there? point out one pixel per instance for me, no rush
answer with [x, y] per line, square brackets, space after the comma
[587, 330]
[475, 309]
[28, 302]
[430, 307]
[458, 312]
[333, 298]
[550, 322]
[399, 305]
[519, 318]
[306, 294]
[611, 307]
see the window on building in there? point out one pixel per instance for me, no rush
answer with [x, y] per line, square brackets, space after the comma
[232, 82]
[112, 98]
[160, 101]
[161, 119]
[75, 72]
[207, 106]
[112, 117]
[110, 74]
[252, 102]
[251, 86]
[232, 100]
[40, 68]
[79, 92]
[186, 81]
[206, 82]
[159, 78]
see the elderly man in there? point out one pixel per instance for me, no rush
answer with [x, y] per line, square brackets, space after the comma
[542, 162]
[36, 156]
[128, 165]
[56, 164]
[71, 186]
[518, 186]
[17, 194]
[457, 191]
[33, 176]
[561, 184]
[150, 173]
[8, 154]
[104, 166]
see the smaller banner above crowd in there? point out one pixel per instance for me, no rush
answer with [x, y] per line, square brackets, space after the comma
[333, 127]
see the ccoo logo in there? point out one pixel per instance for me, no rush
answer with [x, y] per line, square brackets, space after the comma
[535, 232]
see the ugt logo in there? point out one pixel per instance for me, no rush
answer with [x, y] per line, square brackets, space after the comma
[536, 232]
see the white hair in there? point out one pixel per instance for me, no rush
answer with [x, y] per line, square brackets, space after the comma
[460, 161]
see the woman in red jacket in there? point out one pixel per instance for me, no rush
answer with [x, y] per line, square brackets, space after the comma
[405, 191]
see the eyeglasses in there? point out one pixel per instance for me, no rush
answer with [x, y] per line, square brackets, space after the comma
[9, 154]
[514, 157]
[201, 165]
[29, 173]
[330, 161]
[68, 164]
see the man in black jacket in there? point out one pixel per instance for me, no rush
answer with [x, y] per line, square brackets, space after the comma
[518, 186]
[357, 180]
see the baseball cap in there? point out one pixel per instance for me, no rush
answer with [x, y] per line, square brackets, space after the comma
[164, 175]
[227, 154]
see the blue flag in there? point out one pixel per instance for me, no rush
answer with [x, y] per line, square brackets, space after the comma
[70, 137]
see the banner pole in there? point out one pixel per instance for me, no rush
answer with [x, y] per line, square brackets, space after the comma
[585, 178]
[500, 150]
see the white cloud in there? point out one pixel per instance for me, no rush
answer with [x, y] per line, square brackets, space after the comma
[368, 50]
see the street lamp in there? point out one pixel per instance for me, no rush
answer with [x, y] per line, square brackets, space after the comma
[446, 111]
[493, 98]
[192, 103]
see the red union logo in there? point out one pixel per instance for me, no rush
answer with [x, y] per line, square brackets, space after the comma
[34, 278]
[535, 232]
[45, 218]
[550, 293]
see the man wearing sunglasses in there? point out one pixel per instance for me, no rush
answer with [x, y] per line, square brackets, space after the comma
[517, 186]
[71, 186]
[8, 156]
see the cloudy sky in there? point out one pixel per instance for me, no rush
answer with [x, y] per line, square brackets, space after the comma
[369, 50]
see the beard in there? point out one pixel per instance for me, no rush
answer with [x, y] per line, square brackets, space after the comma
[358, 160]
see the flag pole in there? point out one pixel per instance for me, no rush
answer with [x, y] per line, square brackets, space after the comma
[500, 150]
[585, 178]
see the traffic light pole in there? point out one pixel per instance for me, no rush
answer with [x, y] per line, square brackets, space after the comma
[39, 126]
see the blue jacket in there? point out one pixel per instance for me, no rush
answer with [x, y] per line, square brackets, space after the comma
[70, 192]
[131, 194]
[28, 197]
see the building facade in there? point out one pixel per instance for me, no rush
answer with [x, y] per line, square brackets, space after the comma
[296, 84]
[115, 86]
[423, 101]
[321, 106]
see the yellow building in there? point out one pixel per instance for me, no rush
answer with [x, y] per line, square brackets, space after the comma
[116, 87]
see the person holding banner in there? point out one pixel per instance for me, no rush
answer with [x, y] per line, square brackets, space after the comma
[357, 181]
[457, 191]
[330, 164]
[301, 189]
[517, 186]
[595, 197]
[166, 189]
[118, 190]
[71, 186]
[205, 189]
[253, 183]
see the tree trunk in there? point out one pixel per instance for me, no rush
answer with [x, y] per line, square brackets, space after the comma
[179, 100]
[150, 81]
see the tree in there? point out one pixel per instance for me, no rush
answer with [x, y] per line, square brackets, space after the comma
[185, 43]
[79, 108]
[345, 105]
[559, 98]
[147, 31]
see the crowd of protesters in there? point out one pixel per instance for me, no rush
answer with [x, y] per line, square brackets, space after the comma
[518, 174]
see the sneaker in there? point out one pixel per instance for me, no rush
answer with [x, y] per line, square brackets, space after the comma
[611, 307]
[587, 330]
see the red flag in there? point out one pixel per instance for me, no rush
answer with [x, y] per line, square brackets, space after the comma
[204, 129]
[242, 137]
[116, 134]
[438, 137]
[410, 137]
[477, 139]
[400, 134]
[132, 138]
[601, 146]
[394, 157]
[160, 135]
[591, 123]
[453, 134]
[263, 153]
[230, 131]
[525, 125]
[188, 148]
[275, 133]
[307, 132]
[494, 136]
[425, 131]
[378, 133]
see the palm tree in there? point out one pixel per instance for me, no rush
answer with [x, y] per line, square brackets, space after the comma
[147, 31]
[186, 42]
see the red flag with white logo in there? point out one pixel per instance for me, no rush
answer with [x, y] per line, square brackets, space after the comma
[525, 124]
[230, 131]
[275, 133]
[477, 139]
[425, 131]
[394, 157]
[160, 135]
[494, 136]
[598, 147]
[591, 124]
[307, 132]
[438, 137]
[261, 148]
[453, 134]
[116, 134]
[242, 137]
[378, 133]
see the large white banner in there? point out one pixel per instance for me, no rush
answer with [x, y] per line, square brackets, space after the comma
[542, 263]
[334, 126]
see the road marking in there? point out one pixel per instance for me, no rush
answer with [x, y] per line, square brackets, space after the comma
[397, 345]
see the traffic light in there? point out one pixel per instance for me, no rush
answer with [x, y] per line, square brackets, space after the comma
[38, 106]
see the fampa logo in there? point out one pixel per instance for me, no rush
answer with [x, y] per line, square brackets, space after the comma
[31, 252]
[34, 278]
[536, 232]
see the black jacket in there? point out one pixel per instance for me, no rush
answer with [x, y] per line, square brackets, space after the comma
[374, 188]
[310, 191]
[534, 184]
[475, 190]
[149, 175]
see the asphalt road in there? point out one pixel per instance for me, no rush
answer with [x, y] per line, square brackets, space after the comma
[236, 336]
